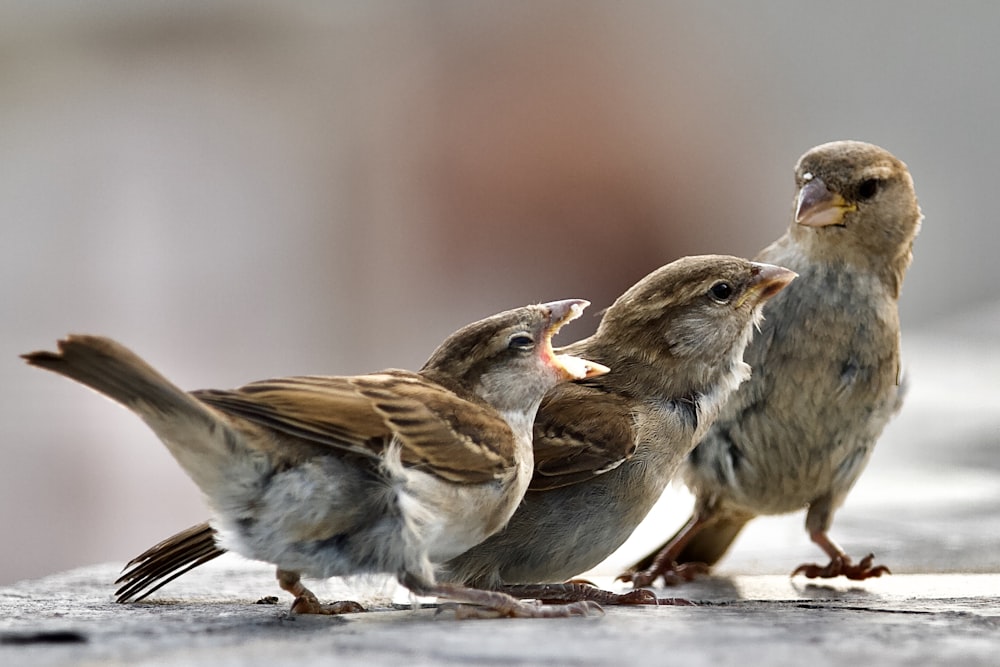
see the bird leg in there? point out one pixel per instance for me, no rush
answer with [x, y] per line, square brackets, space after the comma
[840, 563]
[493, 604]
[664, 563]
[306, 602]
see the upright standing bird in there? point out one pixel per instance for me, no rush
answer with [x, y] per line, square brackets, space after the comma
[826, 366]
[605, 447]
[393, 472]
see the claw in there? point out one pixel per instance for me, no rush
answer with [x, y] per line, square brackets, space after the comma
[637, 596]
[526, 610]
[481, 603]
[842, 566]
[675, 602]
[308, 604]
[578, 590]
[673, 574]
[306, 601]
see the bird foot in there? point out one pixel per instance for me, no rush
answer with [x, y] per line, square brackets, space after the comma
[673, 574]
[521, 609]
[842, 566]
[480, 603]
[308, 604]
[578, 590]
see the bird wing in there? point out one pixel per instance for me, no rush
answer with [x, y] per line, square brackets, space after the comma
[580, 432]
[464, 441]
[436, 430]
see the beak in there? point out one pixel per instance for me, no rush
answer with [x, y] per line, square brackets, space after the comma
[572, 368]
[819, 207]
[767, 282]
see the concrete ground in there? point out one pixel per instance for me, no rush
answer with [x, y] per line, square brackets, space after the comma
[211, 617]
[929, 507]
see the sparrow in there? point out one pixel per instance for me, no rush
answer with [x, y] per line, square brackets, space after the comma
[605, 447]
[393, 472]
[826, 365]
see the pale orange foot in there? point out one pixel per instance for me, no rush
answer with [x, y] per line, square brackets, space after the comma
[521, 609]
[497, 604]
[307, 603]
[578, 591]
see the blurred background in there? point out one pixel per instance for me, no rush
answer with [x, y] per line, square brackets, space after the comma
[240, 192]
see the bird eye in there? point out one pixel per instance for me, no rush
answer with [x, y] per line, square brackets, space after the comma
[520, 341]
[721, 291]
[868, 188]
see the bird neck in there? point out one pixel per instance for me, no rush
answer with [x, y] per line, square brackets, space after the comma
[651, 373]
[840, 248]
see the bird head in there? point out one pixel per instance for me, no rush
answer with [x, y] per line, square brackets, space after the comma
[688, 321]
[855, 201]
[507, 360]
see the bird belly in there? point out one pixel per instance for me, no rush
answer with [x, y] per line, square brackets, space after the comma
[543, 544]
[774, 465]
[450, 518]
[323, 518]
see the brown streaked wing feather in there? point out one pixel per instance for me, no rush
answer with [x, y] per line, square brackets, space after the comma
[323, 410]
[580, 433]
[463, 441]
[438, 432]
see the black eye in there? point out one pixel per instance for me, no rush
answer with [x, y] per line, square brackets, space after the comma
[520, 341]
[721, 291]
[868, 188]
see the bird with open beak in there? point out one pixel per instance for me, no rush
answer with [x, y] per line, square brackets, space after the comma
[394, 472]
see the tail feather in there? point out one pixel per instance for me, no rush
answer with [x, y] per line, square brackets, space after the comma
[115, 371]
[190, 429]
[713, 540]
[164, 562]
[704, 542]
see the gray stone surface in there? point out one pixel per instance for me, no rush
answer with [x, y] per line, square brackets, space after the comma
[209, 617]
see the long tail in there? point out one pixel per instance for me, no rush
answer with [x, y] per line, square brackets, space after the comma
[707, 545]
[713, 540]
[199, 440]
